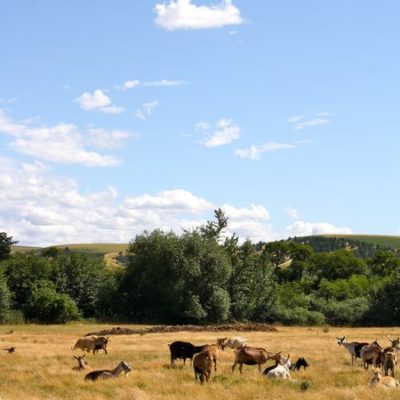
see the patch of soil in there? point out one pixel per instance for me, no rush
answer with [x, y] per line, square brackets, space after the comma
[189, 328]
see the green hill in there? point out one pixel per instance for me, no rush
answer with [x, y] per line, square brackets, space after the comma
[381, 240]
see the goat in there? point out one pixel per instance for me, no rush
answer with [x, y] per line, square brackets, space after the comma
[107, 373]
[10, 350]
[282, 370]
[213, 349]
[371, 354]
[301, 362]
[81, 363]
[253, 356]
[202, 365]
[94, 343]
[183, 350]
[389, 361]
[234, 343]
[354, 348]
[386, 381]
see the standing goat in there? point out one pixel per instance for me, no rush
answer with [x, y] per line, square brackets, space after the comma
[389, 362]
[372, 354]
[354, 348]
[202, 365]
[253, 356]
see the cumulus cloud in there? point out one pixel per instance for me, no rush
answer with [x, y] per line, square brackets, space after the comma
[61, 143]
[146, 109]
[301, 228]
[182, 14]
[105, 139]
[98, 100]
[223, 132]
[40, 208]
[254, 152]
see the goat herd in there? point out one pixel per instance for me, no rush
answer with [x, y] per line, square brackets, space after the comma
[205, 357]
[374, 354]
[202, 357]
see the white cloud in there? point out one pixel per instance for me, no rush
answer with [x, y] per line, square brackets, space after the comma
[102, 138]
[223, 132]
[62, 143]
[182, 14]
[301, 228]
[146, 109]
[98, 100]
[298, 122]
[127, 85]
[40, 208]
[254, 152]
[293, 213]
[164, 82]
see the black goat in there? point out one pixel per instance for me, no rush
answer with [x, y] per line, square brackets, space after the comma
[301, 362]
[183, 350]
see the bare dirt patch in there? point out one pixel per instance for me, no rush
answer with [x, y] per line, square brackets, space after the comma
[185, 328]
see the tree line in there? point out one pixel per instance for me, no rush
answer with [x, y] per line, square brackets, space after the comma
[201, 276]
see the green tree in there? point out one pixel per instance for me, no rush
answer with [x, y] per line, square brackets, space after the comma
[5, 299]
[47, 306]
[5, 245]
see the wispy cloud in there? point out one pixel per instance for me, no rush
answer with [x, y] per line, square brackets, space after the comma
[293, 213]
[254, 152]
[298, 122]
[61, 143]
[164, 82]
[223, 132]
[146, 109]
[98, 100]
[182, 14]
[128, 85]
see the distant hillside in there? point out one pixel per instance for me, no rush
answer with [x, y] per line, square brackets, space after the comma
[381, 240]
[110, 252]
[361, 245]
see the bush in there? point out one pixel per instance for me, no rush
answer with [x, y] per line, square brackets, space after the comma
[47, 306]
[5, 298]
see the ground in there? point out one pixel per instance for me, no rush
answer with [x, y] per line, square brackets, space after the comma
[41, 366]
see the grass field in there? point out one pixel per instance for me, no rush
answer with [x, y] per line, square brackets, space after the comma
[41, 367]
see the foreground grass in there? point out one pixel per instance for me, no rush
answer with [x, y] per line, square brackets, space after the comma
[41, 367]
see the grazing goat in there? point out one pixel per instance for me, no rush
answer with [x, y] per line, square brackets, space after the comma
[281, 371]
[253, 356]
[109, 373]
[354, 348]
[372, 354]
[202, 365]
[93, 343]
[301, 362]
[389, 362]
[183, 350]
[379, 380]
[81, 363]
[234, 343]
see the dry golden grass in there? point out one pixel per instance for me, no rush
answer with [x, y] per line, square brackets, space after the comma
[41, 367]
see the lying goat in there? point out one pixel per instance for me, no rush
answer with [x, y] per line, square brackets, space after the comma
[109, 373]
[301, 362]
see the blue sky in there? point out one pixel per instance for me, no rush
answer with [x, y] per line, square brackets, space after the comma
[116, 117]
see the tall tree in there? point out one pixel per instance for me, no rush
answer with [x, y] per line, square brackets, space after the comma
[5, 245]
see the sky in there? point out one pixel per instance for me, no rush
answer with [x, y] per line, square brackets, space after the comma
[125, 116]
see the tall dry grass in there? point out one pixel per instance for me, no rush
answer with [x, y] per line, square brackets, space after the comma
[41, 367]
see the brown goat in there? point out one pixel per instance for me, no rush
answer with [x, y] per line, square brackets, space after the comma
[202, 365]
[389, 361]
[213, 349]
[371, 354]
[253, 356]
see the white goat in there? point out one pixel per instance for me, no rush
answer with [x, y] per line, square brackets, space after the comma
[281, 371]
[234, 343]
[353, 348]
